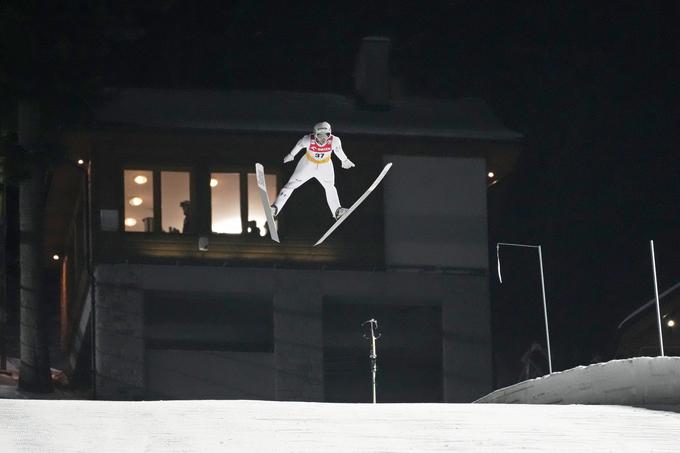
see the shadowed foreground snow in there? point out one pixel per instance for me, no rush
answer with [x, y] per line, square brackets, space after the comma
[263, 426]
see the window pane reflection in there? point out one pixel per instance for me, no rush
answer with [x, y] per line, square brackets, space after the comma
[255, 211]
[138, 186]
[175, 202]
[225, 203]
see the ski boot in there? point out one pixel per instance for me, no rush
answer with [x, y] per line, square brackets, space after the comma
[339, 213]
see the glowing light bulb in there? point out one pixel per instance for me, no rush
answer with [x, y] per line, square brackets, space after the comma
[136, 201]
[130, 221]
[55, 257]
[81, 161]
[670, 323]
[491, 174]
[214, 182]
[140, 179]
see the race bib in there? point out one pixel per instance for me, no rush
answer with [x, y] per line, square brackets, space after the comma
[320, 154]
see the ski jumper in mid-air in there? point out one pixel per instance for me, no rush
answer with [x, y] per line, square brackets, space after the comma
[316, 163]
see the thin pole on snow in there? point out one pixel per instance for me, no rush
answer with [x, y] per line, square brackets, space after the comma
[656, 294]
[545, 306]
[374, 335]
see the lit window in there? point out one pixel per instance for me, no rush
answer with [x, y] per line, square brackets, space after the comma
[225, 197]
[255, 211]
[138, 200]
[175, 202]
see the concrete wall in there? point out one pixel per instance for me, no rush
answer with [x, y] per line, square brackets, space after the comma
[173, 374]
[298, 336]
[119, 340]
[296, 367]
[435, 212]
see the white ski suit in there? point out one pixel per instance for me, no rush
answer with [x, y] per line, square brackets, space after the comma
[316, 163]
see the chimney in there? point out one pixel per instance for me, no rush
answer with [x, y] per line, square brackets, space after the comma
[372, 74]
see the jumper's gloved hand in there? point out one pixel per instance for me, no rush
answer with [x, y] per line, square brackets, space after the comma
[347, 164]
[287, 158]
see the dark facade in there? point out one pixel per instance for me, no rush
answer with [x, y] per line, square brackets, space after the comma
[243, 317]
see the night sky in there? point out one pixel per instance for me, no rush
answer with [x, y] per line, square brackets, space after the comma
[591, 85]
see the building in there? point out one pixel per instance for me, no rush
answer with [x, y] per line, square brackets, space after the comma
[167, 256]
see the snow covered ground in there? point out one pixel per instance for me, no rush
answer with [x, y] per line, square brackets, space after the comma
[31, 425]
[262, 426]
[651, 382]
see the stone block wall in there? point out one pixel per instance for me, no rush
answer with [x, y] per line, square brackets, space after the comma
[119, 320]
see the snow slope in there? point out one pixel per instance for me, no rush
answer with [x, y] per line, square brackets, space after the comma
[261, 426]
[651, 382]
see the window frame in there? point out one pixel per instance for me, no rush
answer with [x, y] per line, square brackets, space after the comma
[200, 196]
[242, 172]
[157, 196]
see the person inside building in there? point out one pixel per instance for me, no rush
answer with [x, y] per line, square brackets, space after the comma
[187, 225]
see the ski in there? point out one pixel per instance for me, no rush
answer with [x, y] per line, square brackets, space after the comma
[264, 197]
[356, 204]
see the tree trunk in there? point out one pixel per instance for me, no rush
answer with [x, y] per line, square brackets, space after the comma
[34, 374]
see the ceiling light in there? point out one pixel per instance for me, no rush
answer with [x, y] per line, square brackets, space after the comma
[670, 323]
[214, 182]
[491, 174]
[140, 179]
[81, 161]
[130, 221]
[136, 201]
[55, 257]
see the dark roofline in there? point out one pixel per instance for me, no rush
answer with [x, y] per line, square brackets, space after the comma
[280, 111]
[648, 304]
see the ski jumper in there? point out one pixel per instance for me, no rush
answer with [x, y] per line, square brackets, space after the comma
[316, 163]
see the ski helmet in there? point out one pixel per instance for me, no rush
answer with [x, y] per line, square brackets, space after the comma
[321, 132]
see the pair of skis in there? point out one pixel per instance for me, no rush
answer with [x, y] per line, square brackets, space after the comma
[264, 197]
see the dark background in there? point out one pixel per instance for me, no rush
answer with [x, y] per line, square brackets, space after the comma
[591, 85]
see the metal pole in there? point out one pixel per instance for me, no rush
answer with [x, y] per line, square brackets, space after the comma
[545, 309]
[545, 305]
[374, 358]
[656, 293]
[373, 324]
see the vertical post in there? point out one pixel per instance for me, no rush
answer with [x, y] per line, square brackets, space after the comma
[90, 271]
[373, 325]
[34, 374]
[3, 266]
[545, 309]
[656, 294]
